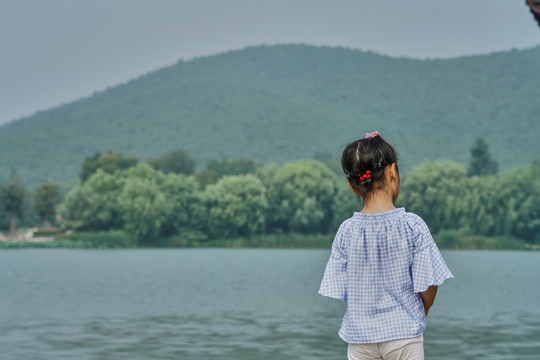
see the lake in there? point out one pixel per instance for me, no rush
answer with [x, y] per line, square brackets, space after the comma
[242, 304]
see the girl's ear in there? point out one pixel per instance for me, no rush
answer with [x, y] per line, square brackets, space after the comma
[391, 172]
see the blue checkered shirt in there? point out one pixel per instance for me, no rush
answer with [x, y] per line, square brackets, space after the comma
[380, 262]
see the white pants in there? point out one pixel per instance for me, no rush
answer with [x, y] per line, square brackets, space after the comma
[403, 349]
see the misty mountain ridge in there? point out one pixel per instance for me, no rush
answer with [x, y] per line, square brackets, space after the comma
[280, 103]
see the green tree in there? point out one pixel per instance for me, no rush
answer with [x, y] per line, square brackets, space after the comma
[107, 189]
[266, 174]
[300, 197]
[205, 178]
[145, 171]
[482, 162]
[103, 201]
[144, 208]
[94, 205]
[46, 197]
[520, 191]
[78, 210]
[12, 199]
[435, 191]
[482, 212]
[177, 162]
[184, 203]
[108, 162]
[236, 205]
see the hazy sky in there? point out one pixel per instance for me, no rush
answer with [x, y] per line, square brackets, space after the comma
[56, 51]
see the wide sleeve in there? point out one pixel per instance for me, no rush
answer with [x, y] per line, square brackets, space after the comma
[428, 266]
[335, 275]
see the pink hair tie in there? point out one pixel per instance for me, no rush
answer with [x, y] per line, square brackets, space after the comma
[372, 135]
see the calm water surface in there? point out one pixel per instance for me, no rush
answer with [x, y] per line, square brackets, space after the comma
[242, 304]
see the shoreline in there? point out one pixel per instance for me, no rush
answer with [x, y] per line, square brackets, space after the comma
[121, 240]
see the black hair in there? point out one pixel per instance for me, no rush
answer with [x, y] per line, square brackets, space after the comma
[364, 162]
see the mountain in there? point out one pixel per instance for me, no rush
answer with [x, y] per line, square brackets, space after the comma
[280, 103]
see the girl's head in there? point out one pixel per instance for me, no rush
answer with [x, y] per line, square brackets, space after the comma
[371, 165]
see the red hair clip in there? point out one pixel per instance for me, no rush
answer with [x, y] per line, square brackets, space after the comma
[367, 175]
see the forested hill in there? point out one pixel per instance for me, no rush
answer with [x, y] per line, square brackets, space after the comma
[282, 103]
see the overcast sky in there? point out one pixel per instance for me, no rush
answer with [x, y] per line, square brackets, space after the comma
[57, 51]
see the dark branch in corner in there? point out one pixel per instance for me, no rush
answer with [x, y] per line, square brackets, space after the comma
[534, 6]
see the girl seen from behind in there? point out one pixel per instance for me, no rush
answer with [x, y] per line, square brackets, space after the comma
[384, 263]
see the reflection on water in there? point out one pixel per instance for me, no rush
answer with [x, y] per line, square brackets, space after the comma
[242, 304]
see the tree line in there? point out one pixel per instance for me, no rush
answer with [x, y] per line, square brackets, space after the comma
[224, 200]
[235, 198]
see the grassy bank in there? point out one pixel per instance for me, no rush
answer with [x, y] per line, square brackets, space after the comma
[82, 240]
[119, 239]
[456, 239]
[260, 241]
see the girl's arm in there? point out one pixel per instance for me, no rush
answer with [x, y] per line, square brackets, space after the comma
[428, 297]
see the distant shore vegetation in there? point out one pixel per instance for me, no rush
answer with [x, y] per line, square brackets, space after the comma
[121, 201]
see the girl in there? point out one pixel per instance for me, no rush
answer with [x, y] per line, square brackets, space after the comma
[384, 263]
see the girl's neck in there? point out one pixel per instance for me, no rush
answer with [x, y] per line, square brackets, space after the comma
[378, 202]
